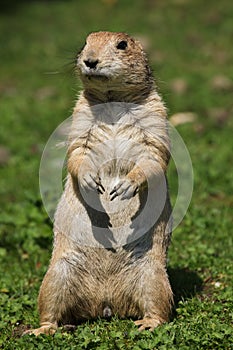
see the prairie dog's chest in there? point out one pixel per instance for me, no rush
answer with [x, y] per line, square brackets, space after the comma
[113, 128]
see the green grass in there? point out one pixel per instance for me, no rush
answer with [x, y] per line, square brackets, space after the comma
[189, 40]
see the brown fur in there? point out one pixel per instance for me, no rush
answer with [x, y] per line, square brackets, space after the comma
[130, 280]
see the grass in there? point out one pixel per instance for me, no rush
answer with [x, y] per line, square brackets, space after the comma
[189, 45]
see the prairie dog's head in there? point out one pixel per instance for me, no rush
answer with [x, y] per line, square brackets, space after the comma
[113, 61]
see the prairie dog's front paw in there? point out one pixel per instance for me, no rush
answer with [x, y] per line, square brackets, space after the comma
[125, 187]
[91, 181]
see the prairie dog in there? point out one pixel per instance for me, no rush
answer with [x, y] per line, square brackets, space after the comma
[113, 222]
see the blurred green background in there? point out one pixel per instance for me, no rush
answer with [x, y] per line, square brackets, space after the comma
[189, 44]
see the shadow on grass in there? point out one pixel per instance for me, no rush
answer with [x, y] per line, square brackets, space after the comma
[185, 283]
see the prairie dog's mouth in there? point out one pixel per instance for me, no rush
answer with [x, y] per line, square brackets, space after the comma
[94, 74]
[93, 69]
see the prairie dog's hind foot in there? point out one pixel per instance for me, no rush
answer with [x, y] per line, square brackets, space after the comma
[46, 328]
[149, 323]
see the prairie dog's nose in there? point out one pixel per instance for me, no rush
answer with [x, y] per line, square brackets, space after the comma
[91, 63]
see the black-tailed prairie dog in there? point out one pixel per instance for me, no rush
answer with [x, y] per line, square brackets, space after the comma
[112, 225]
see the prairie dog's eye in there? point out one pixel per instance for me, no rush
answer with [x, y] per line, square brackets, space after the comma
[122, 45]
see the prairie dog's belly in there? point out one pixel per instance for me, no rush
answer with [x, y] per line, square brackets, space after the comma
[94, 219]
